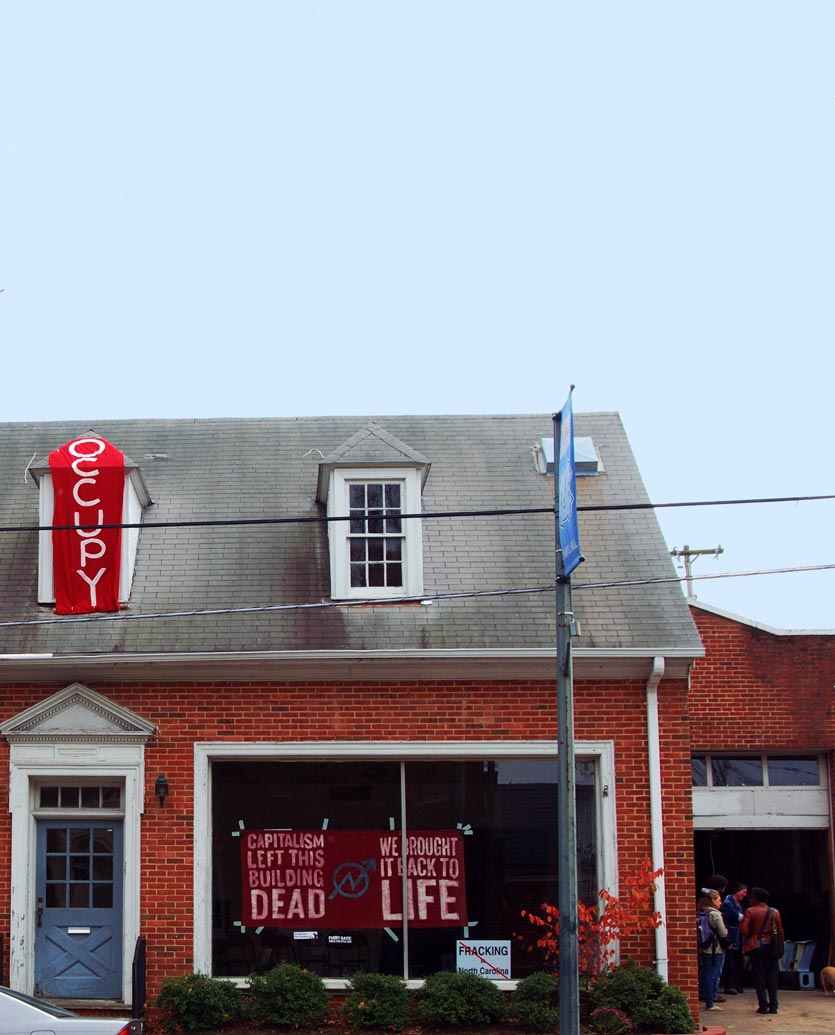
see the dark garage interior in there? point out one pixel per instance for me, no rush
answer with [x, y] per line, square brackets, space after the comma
[794, 865]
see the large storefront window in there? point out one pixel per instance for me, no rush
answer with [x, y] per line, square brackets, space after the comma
[308, 860]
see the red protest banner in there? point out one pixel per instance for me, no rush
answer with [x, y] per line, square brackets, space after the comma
[352, 878]
[88, 480]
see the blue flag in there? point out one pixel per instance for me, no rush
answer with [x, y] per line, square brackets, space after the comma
[567, 492]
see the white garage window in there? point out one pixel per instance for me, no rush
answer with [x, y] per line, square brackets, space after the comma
[756, 771]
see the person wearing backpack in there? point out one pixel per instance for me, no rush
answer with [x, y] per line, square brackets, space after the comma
[761, 926]
[711, 935]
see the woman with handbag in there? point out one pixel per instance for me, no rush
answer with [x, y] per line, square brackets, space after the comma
[763, 942]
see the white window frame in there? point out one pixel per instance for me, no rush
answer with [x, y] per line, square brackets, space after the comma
[763, 758]
[762, 806]
[131, 514]
[339, 537]
[602, 752]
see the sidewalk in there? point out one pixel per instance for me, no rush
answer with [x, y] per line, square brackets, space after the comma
[800, 1012]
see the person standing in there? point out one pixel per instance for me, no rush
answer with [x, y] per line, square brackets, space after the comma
[716, 882]
[756, 928]
[711, 954]
[732, 912]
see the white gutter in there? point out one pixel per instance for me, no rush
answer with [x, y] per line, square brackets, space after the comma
[497, 662]
[617, 654]
[657, 814]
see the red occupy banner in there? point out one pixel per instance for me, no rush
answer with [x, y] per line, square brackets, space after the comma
[351, 878]
[88, 478]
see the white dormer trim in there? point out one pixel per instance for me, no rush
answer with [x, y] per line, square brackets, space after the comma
[134, 501]
[339, 483]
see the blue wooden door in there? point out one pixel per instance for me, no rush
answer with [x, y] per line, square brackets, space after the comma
[78, 942]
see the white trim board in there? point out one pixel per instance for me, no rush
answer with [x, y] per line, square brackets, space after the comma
[122, 763]
[602, 751]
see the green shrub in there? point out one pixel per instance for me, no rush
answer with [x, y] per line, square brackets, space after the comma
[671, 1013]
[536, 1002]
[447, 999]
[606, 1020]
[288, 997]
[629, 989]
[587, 1004]
[377, 1001]
[641, 994]
[196, 1002]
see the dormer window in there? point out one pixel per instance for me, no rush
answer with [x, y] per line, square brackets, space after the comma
[375, 533]
[376, 552]
[87, 484]
[369, 483]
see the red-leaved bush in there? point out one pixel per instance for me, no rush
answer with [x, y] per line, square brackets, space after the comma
[599, 927]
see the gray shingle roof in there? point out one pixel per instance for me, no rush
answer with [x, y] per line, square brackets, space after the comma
[373, 444]
[244, 468]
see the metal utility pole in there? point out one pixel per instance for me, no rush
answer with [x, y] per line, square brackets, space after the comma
[687, 555]
[566, 797]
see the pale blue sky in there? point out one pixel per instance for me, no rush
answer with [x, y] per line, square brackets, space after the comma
[278, 209]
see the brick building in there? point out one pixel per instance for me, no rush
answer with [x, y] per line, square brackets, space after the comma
[234, 764]
[762, 735]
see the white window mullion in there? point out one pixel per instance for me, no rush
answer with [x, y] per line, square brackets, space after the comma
[341, 535]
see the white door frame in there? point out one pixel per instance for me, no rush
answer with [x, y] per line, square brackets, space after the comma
[74, 735]
[23, 781]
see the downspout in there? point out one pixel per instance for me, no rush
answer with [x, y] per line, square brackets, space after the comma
[657, 813]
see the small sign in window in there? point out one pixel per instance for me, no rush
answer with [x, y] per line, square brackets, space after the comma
[488, 959]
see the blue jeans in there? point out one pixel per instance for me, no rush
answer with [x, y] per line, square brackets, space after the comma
[710, 969]
[732, 971]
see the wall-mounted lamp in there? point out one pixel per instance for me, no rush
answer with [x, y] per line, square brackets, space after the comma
[161, 789]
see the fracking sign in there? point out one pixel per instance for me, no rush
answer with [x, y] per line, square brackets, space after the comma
[488, 959]
[352, 878]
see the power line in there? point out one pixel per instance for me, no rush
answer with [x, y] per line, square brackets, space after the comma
[389, 601]
[704, 503]
[272, 608]
[716, 575]
[498, 512]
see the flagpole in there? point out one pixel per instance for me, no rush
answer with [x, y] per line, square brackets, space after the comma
[566, 796]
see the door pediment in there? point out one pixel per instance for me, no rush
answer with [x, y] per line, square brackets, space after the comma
[75, 714]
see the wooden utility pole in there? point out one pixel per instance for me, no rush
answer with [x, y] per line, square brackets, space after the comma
[687, 555]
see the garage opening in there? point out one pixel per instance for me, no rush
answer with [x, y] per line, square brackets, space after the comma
[794, 865]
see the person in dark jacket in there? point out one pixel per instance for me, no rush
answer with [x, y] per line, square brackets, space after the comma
[756, 928]
[717, 882]
[733, 910]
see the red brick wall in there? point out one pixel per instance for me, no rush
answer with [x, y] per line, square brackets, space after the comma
[779, 688]
[459, 710]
